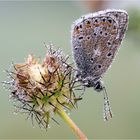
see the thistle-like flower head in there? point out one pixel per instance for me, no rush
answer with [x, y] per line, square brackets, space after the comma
[43, 88]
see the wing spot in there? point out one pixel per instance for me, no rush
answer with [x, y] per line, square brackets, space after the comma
[106, 34]
[91, 59]
[97, 67]
[88, 22]
[101, 32]
[81, 37]
[88, 37]
[76, 48]
[114, 27]
[80, 26]
[104, 20]
[109, 55]
[116, 15]
[77, 27]
[108, 43]
[94, 34]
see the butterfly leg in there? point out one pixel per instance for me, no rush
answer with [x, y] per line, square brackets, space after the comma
[107, 113]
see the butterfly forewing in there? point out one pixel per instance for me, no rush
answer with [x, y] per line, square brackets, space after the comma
[96, 39]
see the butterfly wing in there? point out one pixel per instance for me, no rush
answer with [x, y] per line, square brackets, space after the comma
[96, 39]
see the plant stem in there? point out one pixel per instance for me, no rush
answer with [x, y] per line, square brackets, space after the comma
[74, 127]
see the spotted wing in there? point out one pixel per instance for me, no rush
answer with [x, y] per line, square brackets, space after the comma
[96, 39]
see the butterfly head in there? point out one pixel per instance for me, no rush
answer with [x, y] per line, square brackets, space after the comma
[90, 82]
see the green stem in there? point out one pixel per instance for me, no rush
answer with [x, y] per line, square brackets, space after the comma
[74, 127]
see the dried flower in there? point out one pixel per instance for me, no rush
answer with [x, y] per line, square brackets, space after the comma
[43, 88]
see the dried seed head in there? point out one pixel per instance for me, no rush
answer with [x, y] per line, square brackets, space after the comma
[43, 88]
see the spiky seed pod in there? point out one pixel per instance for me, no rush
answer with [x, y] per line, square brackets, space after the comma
[43, 88]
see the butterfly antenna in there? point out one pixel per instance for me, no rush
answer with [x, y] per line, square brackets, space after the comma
[107, 113]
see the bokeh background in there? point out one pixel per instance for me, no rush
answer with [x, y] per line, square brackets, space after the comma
[25, 26]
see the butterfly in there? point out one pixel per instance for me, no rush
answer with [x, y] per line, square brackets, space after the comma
[96, 39]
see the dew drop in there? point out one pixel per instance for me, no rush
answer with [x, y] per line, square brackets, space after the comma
[49, 126]
[15, 113]
[10, 96]
[68, 114]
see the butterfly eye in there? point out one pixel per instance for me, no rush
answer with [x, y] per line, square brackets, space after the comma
[98, 86]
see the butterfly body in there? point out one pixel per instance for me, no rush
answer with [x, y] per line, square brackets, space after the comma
[96, 38]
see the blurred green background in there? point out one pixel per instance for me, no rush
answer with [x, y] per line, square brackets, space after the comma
[24, 26]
